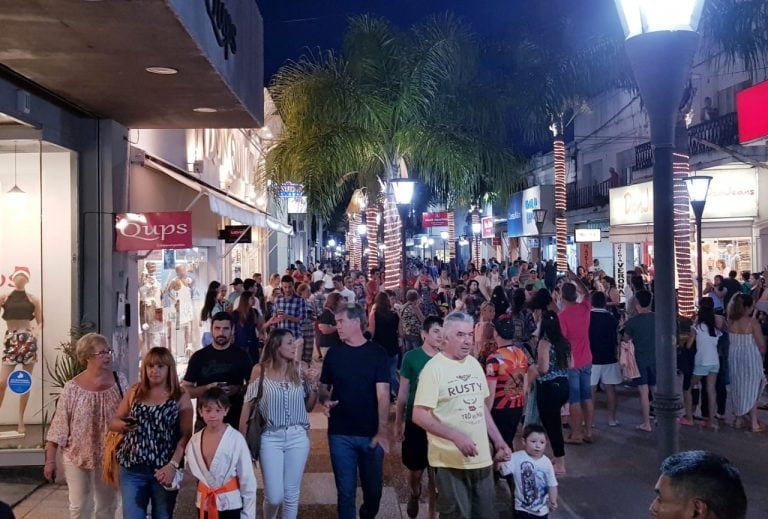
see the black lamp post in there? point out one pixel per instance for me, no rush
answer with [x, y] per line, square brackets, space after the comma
[698, 186]
[661, 41]
[444, 236]
[540, 216]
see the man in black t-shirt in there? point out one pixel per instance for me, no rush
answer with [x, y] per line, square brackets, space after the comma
[222, 365]
[603, 343]
[732, 287]
[355, 393]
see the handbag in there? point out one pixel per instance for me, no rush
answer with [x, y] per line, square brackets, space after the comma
[256, 422]
[110, 469]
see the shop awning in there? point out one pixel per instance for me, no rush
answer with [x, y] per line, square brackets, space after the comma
[220, 202]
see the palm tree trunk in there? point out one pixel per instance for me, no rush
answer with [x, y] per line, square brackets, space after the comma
[353, 241]
[393, 252]
[682, 222]
[561, 223]
[475, 241]
[371, 214]
[451, 236]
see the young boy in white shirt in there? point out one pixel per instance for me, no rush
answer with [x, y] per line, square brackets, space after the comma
[229, 485]
[535, 482]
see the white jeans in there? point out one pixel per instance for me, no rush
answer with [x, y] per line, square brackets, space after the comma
[87, 489]
[282, 458]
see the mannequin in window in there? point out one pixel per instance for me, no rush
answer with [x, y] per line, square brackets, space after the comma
[181, 313]
[150, 309]
[23, 318]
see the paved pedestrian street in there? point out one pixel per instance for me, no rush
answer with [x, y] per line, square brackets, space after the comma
[610, 479]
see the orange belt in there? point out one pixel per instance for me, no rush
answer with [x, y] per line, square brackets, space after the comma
[208, 496]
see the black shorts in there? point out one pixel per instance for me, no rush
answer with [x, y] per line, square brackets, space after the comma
[414, 448]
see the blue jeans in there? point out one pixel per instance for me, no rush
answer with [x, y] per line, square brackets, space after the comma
[348, 455]
[394, 378]
[138, 487]
[580, 382]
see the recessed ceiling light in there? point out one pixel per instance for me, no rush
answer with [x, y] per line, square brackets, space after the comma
[163, 71]
[204, 110]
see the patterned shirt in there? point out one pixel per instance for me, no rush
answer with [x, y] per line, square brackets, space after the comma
[152, 444]
[293, 306]
[507, 366]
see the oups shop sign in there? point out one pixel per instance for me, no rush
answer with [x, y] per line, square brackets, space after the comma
[153, 231]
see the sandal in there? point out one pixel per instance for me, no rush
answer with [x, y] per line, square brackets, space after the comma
[571, 441]
[760, 428]
[685, 421]
[589, 439]
[642, 427]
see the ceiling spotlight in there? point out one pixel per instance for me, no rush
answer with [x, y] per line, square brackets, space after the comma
[205, 110]
[162, 71]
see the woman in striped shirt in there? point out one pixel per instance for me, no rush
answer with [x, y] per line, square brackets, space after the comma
[289, 391]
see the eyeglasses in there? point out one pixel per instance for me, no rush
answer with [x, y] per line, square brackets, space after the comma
[102, 353]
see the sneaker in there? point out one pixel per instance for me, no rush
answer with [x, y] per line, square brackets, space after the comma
[412, 509]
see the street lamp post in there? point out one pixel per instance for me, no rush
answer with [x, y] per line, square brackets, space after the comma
[540, 216]
[444, 236]
[423, 248]
[661, 41]
[698, 186]
[402, 189]
[476, 229]
[431, 242]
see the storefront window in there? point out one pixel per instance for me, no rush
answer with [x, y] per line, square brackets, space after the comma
[172, 287]
[36, 283]
[721, 256]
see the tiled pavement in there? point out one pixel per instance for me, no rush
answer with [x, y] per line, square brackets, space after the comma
[613, 478]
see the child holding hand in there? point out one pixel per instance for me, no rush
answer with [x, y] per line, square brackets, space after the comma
[534, 475]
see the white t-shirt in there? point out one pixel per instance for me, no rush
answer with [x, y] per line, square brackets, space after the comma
[317, 275]
[328, 282]
[347, 294]
[706, 346]
[533, 479]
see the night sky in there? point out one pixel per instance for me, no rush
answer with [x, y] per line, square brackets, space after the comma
[291, 26]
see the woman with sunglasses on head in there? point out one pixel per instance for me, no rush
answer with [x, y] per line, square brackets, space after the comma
[156, 418]
[79, 427]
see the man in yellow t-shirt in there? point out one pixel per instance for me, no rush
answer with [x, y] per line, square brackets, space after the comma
[450, 406]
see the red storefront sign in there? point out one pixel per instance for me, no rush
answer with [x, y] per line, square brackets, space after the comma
[487, 227]
[150, 231]
[438, 219]
[752, 113]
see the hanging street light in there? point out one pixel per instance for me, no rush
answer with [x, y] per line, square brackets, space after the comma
[661, 42]
[698, 186]
[540, 216]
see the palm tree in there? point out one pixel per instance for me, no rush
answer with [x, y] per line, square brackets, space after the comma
[391, 101]
[554, 66]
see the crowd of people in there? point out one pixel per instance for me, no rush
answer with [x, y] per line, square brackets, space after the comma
[463, 360]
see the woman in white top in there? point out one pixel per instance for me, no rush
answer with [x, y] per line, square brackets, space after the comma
[706, 333]
[288, 392]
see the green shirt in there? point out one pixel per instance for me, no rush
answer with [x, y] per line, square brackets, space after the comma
[413, 362]
[642, 329]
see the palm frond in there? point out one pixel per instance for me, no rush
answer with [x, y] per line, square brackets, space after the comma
[736, 32]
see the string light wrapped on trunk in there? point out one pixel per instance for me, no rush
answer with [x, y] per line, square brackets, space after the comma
[682, 236]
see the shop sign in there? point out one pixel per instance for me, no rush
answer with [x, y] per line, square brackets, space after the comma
[290, 190]
[235, 234]
[496, 241]
[587, 235]
[520, 217]
[619, 267]
[732, 194]
[436, 219]
[487, 227]
[585, 254]
[20, 382]
[148, 231]
[752, 113]
[224, 29]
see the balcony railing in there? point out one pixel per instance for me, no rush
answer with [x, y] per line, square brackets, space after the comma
[590, 196]
[723, 131]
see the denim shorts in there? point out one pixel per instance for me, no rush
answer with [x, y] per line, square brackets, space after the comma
[706, 369]
[579, 381]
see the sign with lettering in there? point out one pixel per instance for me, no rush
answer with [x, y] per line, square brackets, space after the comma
[148, 231]
[224, 29]
[487, 227]
[290, 190]
[520, 217]
[619, 267]
[585, 254]
[587, 235]
[436, 219]
[732, 194]
[235, 234]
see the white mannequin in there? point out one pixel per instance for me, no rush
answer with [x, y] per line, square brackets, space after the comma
[21, 354]
[150, 300]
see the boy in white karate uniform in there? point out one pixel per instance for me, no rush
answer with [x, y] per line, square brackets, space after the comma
[219, 458]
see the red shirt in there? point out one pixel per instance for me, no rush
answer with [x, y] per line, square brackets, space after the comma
[373, 289]
[574, 321]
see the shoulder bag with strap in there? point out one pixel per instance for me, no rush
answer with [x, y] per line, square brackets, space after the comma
[110, 469]
[256, 422]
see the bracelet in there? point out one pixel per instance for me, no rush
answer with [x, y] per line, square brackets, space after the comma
[173, 464]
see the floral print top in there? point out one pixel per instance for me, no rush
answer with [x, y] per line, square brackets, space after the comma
[81, 422]
[152, 444]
